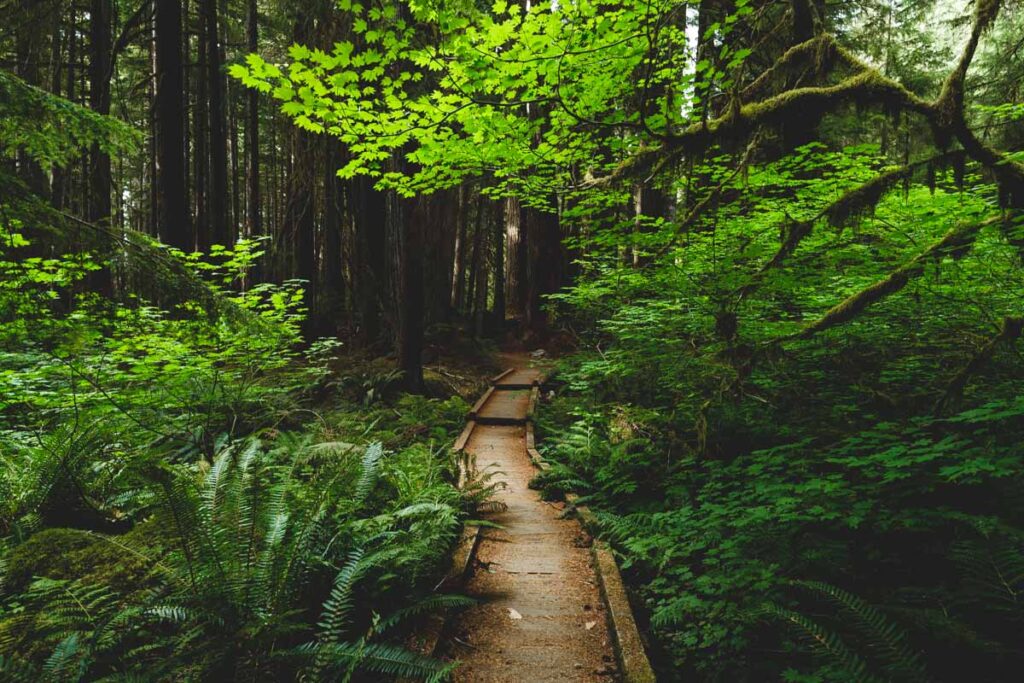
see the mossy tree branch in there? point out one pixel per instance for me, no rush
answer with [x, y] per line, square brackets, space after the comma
[954, 243]
[866, 86]
[1011, 330]
[855, 200]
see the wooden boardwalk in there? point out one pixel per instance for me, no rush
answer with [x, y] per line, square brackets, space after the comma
[540, 616]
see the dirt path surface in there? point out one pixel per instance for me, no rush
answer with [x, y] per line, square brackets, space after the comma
[540, 616]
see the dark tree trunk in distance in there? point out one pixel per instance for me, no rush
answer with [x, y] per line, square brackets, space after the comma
[172, 209]
[218, 180]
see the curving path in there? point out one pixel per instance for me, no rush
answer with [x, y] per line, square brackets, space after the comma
[540, 616]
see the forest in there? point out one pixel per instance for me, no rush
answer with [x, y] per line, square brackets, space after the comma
[760, 263]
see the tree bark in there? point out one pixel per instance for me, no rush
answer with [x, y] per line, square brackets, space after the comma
[482, 273]
[459, 262]
[254, 223]
[515, 258]
[404, 225]
[333, 227]
[498, 228]
[218, 179]
[99, 161]
[172, 211]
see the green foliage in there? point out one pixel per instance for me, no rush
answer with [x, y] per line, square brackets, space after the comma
[172, 506]
[50, 129]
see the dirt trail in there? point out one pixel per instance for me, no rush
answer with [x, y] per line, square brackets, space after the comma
[540, 616]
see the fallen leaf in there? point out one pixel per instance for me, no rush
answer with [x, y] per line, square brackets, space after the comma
[514, 614]
[589, 625]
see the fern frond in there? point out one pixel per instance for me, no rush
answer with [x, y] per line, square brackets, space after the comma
[338, 605]
[370, 471]
[825, 642]
[68, 660]
[433, 603]
[884, 637]
[17, 670]
[386, 660]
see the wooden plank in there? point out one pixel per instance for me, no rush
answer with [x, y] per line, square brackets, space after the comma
[534, 398]
[634, 666]
[467, 431]
[498, 378]
[480, 403]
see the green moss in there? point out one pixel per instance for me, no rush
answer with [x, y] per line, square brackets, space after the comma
[121, 562]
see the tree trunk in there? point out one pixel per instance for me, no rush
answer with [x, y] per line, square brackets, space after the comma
[543, 263]
[218, 179]
[459, 261]
[333, 232]
[482, 274]
[200, 140]
[58, 183]
[404, 225]
[369, 279]
[27, 41]
[254, 225]
[498, 227]
[297, 242]
[515, 258]
[99, 161]
[172, 209]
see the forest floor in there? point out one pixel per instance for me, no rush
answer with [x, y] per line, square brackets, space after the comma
[540, 616]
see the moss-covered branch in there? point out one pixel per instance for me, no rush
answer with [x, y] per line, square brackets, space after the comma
[956, 242]
[867, 86]
[1010, 331]
[854, 201]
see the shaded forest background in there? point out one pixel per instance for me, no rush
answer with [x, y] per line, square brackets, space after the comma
[779, 241]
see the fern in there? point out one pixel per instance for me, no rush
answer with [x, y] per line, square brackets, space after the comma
[434, 603]
[370, 471]
[338, 606]
[882, 636]
[386, 660]
[16, 670]
[826, 642]
[993, 571]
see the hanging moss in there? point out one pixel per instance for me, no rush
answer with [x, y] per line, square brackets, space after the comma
[863, 198]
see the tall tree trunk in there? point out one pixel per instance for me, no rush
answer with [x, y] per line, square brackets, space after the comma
[459, 261]
[200, 138]
[649, 205]
[482, 274]
[172, 211]
[297, 243]
[368, 208]
[58, 183]
[218, 179]
[515, 258]
[543, 263]
[254, 225]
[333, 232]
[99, 161]
[27, 41]
[498, 227]
[476, 258]
[404, 224]
[438, 240]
